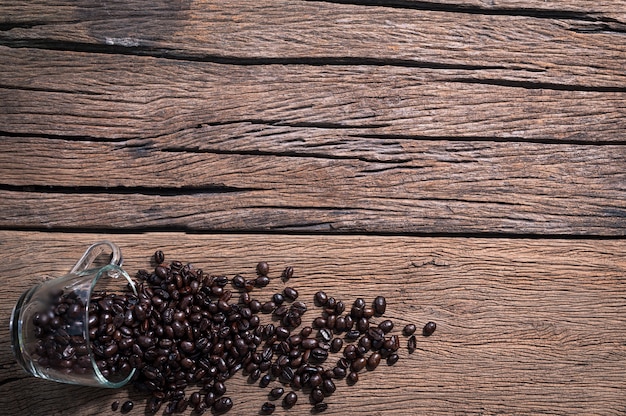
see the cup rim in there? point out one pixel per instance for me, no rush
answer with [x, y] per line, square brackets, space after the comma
[99, 376]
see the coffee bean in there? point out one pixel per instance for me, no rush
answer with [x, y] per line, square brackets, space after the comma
[429, 328]
[373, 361]
[276, 393]
[290, 294]
[127, 406]
[115, 405]
[352, 378]
[328, 387]
[320, 407]
[287, 273]
[268, 408]
[409, 330]
[336, 345]
[358, 364]
[392, 359]
[379, 305]
[317, 395]
[223, 405]
[262, 281]
[159, 257]
[321, 298]
[386, 326]
[290, 400]
[412, 344]
[262, 268]
[325, 334]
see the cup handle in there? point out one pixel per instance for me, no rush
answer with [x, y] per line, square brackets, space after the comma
[94, 251]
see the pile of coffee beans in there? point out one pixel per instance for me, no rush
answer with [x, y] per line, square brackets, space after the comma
[185, 330]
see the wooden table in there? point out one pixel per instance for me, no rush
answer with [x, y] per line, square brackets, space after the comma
[467, 159]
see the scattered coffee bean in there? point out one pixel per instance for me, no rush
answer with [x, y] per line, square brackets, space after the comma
[159, 257]
[392, 359]
[290, 294]
[276, 393]
[352, 378]
[268, 408]
[127, 406]
[380, 305]
[115, 405]
[409, 330]
[320, 407]
[321, 298]
[290, 400]
[223, 405]
[412, 344]
[429, 328]
[262, 268]
[287, 273]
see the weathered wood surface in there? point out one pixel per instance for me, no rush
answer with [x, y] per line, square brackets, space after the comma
[580, 47]
[312, 180]
[524, 326]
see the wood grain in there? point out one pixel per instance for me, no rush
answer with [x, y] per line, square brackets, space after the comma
[234, 179]
[583, 48]
[524, 326]
[104, 96]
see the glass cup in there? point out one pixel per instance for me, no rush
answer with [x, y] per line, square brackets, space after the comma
[54, 324]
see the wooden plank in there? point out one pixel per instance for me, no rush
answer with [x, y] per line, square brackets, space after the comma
[524, 326]
[583, 49]
[116, 96]
[307, 179]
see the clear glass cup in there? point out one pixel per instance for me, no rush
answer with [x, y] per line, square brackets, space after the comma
[50, 323]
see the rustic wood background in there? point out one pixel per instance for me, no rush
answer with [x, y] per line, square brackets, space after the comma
[466, 158]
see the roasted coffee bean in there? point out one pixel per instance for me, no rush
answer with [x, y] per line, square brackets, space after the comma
[115, 405]
[317, 395]
[127, 406]
[362, 325]
[268, 307]
[328, 387]
[276, 393]
[290, 294]
[392, 359]
[339, 372]
[358, 364]
[159, 257]
[336, 345]
[290, 400]
[262, 281]
[325, 334]
[223, 405]
[306, 331]
[265, 381]
[262, 268]
[321, 298]
[320, 407]
[319, 354]
[386, 326]
[373, 361]
[278, 298]
[429, 328]
[268, 408]
[409, 330]
[287, 273]
[352, 378]
[412, 344]
[309, 343]
[379, 305]
[352, 335]
[239, 282]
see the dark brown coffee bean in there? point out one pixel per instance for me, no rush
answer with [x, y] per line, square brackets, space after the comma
[409, 330]
[328, 387]
[309, 343]
[262, 268]
[287, 273]
[325, 334]
[336, 345]
[352, 378]
[392, 359]
[412, 344]
[265, 381]
[268, 307]
[319, 354]
[321, 298]
[276, 393]
[320, 407]
[429, 328]
[373, 361]
[306, 331]
[319, 322]
[317, 395]
[223, 405]
[290, 294]
[358, 364]
[115, 405]
[386, 326]
[262, 281]
[362, 325]
[127, 406]
[339, 372]
[159, 257]
[290, 400]
[268, 408]
[379, 305]
[239, 281]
